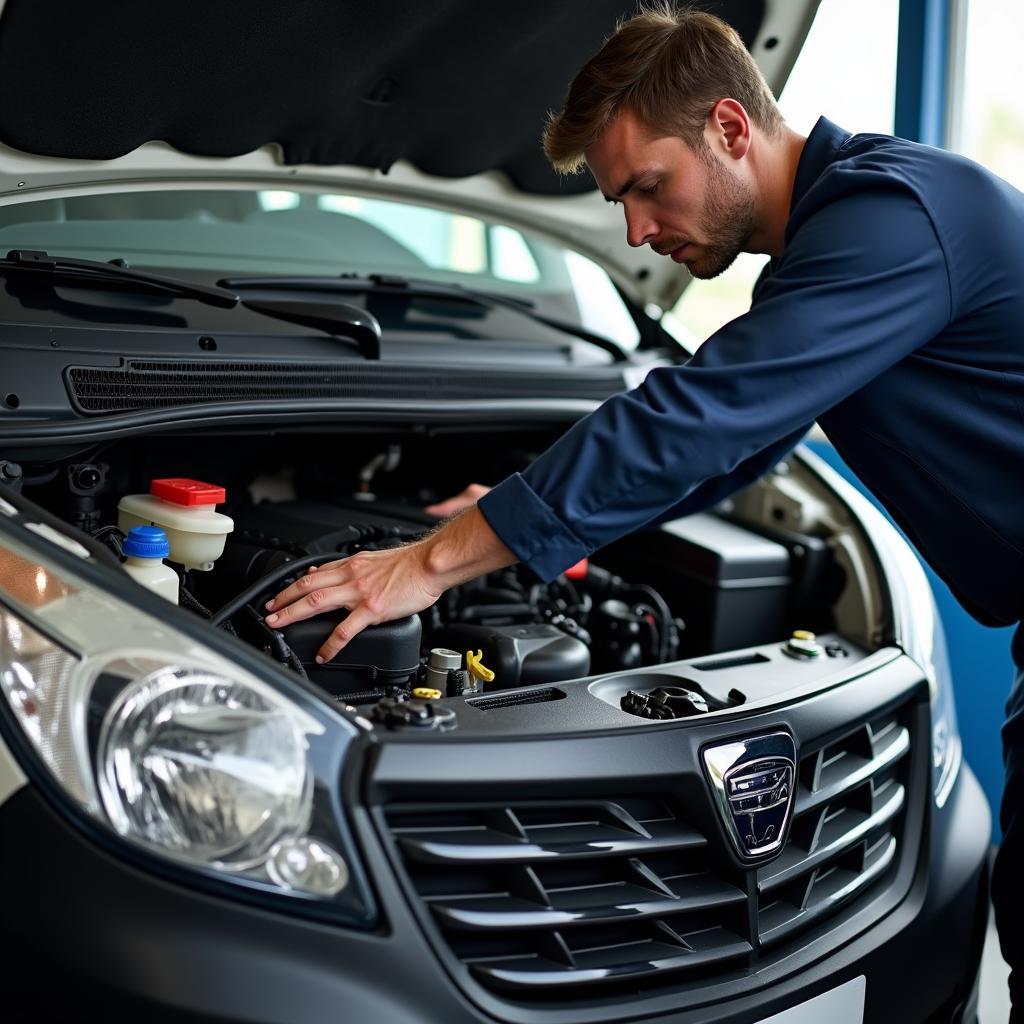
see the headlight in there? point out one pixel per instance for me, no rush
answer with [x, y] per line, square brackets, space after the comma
[181, 754]
[947, 747]
[214, 772]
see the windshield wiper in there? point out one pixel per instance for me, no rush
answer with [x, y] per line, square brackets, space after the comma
[390, 284]
[339, 320]
[336, 318]
[82, 271]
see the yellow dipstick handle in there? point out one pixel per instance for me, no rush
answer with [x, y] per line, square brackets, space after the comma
[426, 693]
[478, 668]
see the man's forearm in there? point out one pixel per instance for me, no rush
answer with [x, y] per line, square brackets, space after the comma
[463, 548]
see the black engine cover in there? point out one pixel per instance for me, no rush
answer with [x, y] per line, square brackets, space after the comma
[520, 655]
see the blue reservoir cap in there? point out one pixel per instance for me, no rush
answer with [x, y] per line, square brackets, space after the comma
[146, 542]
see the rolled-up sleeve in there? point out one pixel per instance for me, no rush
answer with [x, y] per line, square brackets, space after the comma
[863, 282]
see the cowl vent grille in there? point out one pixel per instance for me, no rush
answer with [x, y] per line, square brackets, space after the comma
[145, 384]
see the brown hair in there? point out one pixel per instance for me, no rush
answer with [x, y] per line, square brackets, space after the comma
[670, 66]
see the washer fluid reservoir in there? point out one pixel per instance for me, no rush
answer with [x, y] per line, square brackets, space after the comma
[144, 549]
[186, 511]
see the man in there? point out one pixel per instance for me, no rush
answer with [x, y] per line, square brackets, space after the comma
[890, 311]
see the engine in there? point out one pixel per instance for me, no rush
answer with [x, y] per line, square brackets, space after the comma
[526, 632]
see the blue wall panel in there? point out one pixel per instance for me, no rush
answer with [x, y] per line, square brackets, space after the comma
[922, 71]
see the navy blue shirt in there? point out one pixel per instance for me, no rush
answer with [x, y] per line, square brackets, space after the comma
[894, 317]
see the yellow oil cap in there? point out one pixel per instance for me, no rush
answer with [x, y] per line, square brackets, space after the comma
[426, 693]
[803, 634]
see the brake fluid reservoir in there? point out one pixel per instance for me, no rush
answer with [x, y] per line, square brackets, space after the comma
[186, 511]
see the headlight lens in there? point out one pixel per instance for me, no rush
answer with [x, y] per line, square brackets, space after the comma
[175, 749]
[210, 770]
[947, 747]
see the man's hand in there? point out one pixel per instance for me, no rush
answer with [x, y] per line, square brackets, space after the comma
[377, 586]
[470, 496]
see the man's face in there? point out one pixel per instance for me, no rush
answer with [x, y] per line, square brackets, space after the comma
[693, 207]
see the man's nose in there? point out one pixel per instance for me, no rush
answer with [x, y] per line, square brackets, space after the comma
[640, 228]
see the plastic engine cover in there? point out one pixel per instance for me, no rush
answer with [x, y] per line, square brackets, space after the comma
[378, 657]
[520, 655]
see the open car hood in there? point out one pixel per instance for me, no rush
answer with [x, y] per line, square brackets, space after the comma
[441, 103]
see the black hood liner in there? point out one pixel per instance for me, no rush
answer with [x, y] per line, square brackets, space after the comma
[454, 86]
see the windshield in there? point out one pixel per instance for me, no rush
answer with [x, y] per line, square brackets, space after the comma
[292, 232]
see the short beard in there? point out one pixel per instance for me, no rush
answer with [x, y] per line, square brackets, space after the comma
[727, 220]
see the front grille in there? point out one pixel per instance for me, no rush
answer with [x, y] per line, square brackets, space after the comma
[552, 895]
[850, 800]
[147, 384]
[571, 899]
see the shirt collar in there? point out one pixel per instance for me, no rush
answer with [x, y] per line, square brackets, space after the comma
[819, 151]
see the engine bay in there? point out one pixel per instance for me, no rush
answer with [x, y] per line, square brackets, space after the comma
[750, 572]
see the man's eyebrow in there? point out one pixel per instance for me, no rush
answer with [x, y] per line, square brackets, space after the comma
[625, 188]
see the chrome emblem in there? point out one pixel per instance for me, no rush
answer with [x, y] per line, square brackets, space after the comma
[753, 781]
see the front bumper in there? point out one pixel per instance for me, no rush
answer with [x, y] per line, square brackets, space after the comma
[78, 921]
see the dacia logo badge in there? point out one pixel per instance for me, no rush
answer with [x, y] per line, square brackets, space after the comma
[752, 781]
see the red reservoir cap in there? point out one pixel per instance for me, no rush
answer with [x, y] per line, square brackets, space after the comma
[578, 571]
[181, 491]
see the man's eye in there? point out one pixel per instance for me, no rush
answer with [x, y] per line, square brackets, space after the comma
[650, 189]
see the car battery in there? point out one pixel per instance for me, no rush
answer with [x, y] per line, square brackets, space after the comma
[731, 586]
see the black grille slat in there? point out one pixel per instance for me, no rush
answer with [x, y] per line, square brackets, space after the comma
[585, 906]
[150, 384]
[585, 840]
[632, 962]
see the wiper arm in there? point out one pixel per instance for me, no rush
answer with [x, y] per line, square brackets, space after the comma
[337, 318]
[346, 321]
[418, 288]
[37, 261]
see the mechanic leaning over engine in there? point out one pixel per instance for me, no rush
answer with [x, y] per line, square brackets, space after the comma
[891, 312]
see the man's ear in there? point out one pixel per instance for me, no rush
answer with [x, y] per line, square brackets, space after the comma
[728, 129]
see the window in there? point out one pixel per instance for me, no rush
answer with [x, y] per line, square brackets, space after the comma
[306, 232]
[991, 120]
[846, 71]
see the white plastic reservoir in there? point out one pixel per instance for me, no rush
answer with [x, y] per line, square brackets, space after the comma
[186, 511]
